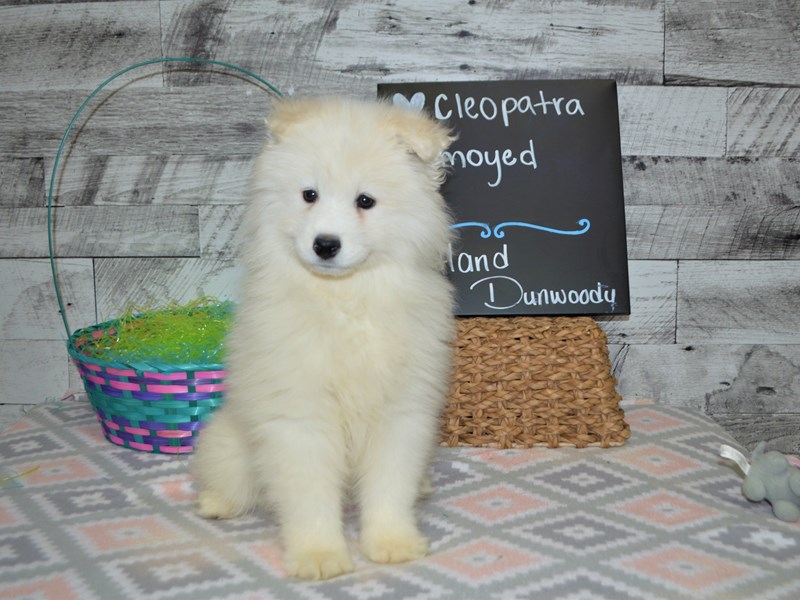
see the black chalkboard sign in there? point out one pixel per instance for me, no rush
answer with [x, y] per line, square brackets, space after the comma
[535, 184]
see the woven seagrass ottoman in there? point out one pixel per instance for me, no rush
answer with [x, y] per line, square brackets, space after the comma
[532, 381]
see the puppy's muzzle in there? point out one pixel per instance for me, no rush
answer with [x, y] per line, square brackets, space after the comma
[327, 246]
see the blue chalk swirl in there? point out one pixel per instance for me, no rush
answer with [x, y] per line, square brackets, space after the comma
[487, 231]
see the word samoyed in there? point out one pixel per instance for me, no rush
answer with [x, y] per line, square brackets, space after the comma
[339, 357]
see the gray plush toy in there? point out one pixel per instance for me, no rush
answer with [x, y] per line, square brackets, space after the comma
[771, 477]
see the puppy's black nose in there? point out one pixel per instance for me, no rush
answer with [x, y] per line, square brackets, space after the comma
[327, 246]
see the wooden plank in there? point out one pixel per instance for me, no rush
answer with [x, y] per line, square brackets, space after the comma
[88, 231]
[739, 231]
[736, 302]
[767, 381]
[34, 2]
[349, 47]
[137, 121]
[718, 182]
[21, 182]
[764, 122]
[31, 372]
[76, 44]
[680, 121]
[75, 383]
[491, 40]
[28, 307]
[714, 378]
[228, 121]
[156, 179]
[698, 208]
[219, 226]
[156, 281]
[33, 122]
[779, 431]
[713, 41]
[751, 390]
[652, 318]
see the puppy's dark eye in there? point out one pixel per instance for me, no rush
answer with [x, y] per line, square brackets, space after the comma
[365, 202]
[310, 196]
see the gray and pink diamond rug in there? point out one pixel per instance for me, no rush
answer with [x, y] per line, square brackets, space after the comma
[660, 517]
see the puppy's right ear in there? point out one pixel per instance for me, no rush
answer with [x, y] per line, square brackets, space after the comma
[284, 114]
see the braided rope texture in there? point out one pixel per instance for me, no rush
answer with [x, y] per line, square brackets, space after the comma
[532, 381]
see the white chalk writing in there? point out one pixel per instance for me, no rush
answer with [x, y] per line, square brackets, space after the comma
[496, 286]
[489, 109]
[492, 158]
[463, 262]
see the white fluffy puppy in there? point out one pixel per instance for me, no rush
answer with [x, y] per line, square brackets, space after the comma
[339, 358]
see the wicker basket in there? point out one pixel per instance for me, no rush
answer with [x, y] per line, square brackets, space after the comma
[532, 381]
[151, 407]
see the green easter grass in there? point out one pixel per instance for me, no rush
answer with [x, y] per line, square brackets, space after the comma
[191, 333]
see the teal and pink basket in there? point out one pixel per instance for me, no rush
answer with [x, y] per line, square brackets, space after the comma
[155, 407]
[142, 405]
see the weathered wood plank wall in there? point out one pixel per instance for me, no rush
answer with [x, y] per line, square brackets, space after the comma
[150, 191]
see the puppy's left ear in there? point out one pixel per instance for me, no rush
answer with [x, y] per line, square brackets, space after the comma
[421, 134]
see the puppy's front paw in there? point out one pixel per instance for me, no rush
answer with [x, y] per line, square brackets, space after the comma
[394, 545]
[210, 505]
[318, 563]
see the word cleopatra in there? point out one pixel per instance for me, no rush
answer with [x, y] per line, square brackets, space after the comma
[487, 108]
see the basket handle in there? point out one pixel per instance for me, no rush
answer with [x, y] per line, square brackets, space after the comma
[165, 59]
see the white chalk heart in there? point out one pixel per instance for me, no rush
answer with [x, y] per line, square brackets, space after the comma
[417, 101]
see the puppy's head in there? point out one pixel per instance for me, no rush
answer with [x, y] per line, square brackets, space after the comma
[347, 183]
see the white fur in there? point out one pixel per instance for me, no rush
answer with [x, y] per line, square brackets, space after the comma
[338, 368]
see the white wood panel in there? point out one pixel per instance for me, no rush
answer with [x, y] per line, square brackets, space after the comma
[31, 372]
[764, 122]
[732, 41]
[32, 122]
[652, 318]
[21, 182]
[228, 120]
[28, 306]
[135, 120]
[349, 46]
[156, 281]
[717, 182]
[510, 39]
[88, 231]
[218, 231]
[739, 302]
[740, 230]
[53, 46]
[155, 179]
[74, 381]
[767, 380]
[222, 120]
[750, 390]
[718, 378]
[779, 430]
[680, 121]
